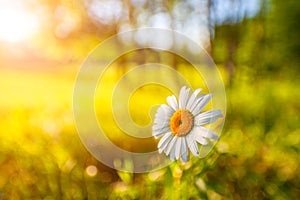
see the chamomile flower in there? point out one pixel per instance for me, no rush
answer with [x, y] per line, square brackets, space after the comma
[180, 124]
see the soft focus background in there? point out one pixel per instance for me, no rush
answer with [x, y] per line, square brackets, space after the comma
[255, 44]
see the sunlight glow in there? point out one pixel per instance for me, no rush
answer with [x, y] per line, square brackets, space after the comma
[16, 23]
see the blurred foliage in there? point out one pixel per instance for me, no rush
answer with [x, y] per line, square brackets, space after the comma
[257, 157]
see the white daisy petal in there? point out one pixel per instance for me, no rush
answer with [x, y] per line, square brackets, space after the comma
[158, 130]
[170, 145]
[160, 109]
[178, 148]
[192, 144]
[196, 102]
[172, 102]
[160, 119]
[165, 143]
[200, 139]
[157, 127]
[208, 117]
[172, 154]
[202, 104]
[163, 113]
[158, 134]
[164, 139]
[185, 154]
[206, 133]
[183, 97]
[168, 110]
[193, 98]
[165, 110]
[181, 94]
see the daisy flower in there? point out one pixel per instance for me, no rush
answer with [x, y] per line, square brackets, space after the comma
[180, 124]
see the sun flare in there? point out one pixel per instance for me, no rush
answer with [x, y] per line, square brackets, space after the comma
[16, 23]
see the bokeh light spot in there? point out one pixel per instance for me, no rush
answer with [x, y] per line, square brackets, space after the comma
[91, 170]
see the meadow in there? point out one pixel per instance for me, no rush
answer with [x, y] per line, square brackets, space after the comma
[42, 157]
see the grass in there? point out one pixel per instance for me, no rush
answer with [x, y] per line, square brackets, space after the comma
[41, 155]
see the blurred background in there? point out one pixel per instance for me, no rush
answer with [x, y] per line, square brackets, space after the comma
[255, 45]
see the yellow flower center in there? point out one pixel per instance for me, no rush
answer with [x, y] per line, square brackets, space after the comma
[181, 122]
